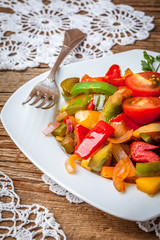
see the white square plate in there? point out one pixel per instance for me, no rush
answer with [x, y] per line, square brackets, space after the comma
[24, 124]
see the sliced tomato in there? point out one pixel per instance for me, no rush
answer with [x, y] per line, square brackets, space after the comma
[144, 84]
[142, 110]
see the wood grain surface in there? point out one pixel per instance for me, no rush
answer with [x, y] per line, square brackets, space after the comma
[78, 221]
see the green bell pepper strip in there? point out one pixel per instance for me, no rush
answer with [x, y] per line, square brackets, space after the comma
[100, 157]
[79, 103]
[60, 130]
[150, 169]
[112, 107]
[93, 87]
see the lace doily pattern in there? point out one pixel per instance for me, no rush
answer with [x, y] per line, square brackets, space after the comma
[151, 225]
[56, 188]
[28, 221]
[35, 33]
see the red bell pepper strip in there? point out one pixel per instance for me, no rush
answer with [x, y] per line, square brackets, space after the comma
[113, 76]
[80, 132]
[114, 71]
[65, 120]
[94, 139]
[122, 118]
[140, 152]
[91, 105]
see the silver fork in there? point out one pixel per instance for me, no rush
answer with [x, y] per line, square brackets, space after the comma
[47, 90]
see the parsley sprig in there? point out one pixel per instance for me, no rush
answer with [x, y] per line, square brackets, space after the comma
[149, 62]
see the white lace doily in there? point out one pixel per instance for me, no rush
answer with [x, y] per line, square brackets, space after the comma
[56, 188]
[32, 33]
[28, 221]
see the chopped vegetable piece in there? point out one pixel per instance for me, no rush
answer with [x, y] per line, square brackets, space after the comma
[149, 185]
[59, 139]
[80, 133]
[122, 118]
[107, 172]
[94, 139]
[142, 110]
[70, 163]
[152, 127]
[128, 72]
[146, 137]
[93, 87]
[114, 72]
[68, 84]
[70, 126]
[87, 78]
[99, 101]
[119, 184]
[112, 107]
[85, 163]
[118, 152]
[79, 103]
[51, 127]
[124, 138]
[121, 170]
[155, 136]
[113, 76]
[144, 84]
[60, 130]
[120, 129]
[68, 144]
[140, 152]
[99, 158]
[91, 105]
[149, 169]
[61, 115]
[87, 118]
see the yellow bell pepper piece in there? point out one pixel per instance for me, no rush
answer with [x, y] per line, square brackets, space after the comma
[149, 185]
[87, 118]
[84, 164]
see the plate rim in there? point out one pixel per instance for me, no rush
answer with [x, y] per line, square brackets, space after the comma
[38, 166]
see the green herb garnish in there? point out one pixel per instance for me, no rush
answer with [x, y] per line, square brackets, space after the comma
[148, 63]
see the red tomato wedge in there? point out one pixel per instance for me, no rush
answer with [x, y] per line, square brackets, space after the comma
[144, 84]
[142, 110]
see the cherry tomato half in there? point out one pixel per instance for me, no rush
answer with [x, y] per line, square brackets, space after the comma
[144, 84]
[142, 110]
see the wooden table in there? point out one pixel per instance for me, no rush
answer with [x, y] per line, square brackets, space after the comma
[78, 221]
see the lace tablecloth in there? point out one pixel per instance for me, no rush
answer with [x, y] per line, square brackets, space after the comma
[33, 35]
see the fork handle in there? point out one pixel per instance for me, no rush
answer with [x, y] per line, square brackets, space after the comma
[72, 38]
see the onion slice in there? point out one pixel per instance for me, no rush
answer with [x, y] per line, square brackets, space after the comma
[70, 126]
[124, 138]
[51, 127]
[152, 127]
